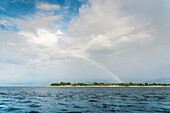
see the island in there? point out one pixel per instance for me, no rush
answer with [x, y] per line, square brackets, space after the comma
[96, 84]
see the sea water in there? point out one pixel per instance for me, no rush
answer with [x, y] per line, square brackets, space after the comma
[84, 99]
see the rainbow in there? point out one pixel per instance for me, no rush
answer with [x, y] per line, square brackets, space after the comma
[101, 67]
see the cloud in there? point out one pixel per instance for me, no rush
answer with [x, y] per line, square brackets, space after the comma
[1, 8]
[33, 22]
[103, 26]
[168, 25]
[49, 46]
[43, 37]
[109, 32]
[47, 7]
[5, 23]
[11, 44]
[40, 19]
[41, 42]
[100, 28]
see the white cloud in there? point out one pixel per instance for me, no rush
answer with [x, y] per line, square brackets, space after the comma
[50, 47]
[5, 23]
[99, 28]
[107, 31]
[1, 8]
[103, 25]
[44, 6]
[11, 44]
[39, 20]
[43, 37]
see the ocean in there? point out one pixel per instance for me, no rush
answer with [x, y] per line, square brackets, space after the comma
[84, 99]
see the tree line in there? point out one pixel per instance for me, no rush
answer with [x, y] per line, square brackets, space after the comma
[108, 84]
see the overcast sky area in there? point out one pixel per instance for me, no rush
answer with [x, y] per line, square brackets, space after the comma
[45, 41]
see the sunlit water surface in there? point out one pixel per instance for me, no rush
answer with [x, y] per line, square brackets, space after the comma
[84, 99]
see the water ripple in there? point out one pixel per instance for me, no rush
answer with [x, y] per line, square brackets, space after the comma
[55, 99]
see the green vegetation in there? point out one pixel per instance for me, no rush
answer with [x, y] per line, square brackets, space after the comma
[108, 84]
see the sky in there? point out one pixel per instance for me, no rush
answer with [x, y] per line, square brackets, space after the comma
[45, 41]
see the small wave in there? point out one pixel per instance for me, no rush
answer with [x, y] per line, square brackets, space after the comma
[78, 106]
[64, 110]
[33, 112]
[10, 109]
[26, 101]
[62, 104]
[34, 105]
[42, 95]
[3, 94]
[19, 98]
[6, 100]
[93, 100]
[122, 100]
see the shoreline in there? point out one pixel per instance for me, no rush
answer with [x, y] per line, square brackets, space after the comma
[108, 86]
[96, 84]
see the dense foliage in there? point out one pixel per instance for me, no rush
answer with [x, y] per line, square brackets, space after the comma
[107, 84]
